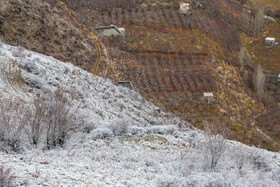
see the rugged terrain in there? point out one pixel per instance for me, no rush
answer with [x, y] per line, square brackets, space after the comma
[35, 26]
[170, 58]
[120, 139]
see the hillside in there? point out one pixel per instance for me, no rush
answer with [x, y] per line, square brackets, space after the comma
[172, 59]
[38, 27]
[96, 155]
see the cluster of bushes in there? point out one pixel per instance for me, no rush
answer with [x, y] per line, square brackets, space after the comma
[121, 127]
[47, 120]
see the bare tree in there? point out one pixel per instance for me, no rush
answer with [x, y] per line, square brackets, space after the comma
[234, 38]
[259, 20]
[258, 81]
[242, 59]
[215, 144]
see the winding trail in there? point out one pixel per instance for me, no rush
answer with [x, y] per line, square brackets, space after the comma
[97, 44]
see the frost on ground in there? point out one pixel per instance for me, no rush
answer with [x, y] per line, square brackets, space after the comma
[117, 138]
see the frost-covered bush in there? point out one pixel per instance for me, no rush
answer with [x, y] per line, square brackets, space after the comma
[101, 133]
[193, 138]
[214, 146]
[276, 175]
[59, 112]
[164, 129]
[119, 127]
[33, 81]
[18, 52]
[12, 121]
[168, 181]
[99, 112]
[29, 55]
[88, 127]
[31, 67]
[258, 161]
[134, 130]
[6, 177]
[46, 118]
[53, 82]
[208, 179]
[240, 155]
[36, 120]
[2, 53]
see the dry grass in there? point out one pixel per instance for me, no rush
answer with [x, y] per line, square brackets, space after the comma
[6, 177]
[259, 52]
[270, 3]
[35, 26]
[12, 73]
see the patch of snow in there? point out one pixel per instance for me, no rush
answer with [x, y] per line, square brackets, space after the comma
[270, 18]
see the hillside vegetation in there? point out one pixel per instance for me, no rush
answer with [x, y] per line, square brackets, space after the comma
[172, 58]
[113, 136]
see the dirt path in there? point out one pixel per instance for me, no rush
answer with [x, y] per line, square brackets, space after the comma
[74, 17]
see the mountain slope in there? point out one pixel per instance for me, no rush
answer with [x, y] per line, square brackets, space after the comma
[158, 149]
[37, 27]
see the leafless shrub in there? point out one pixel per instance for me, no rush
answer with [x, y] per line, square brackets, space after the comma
[35, 124]
[258, 160]
[276, 175]
[49, 116]
[18, 52]
[101, 133]
[164, 129]
[215, 145]
[11, 122]
[12, 72]
[119, 127]
[6, 177]
[58, 112]
[241, 156]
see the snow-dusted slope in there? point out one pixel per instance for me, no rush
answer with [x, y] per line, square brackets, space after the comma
[158, 149]
[97, 98]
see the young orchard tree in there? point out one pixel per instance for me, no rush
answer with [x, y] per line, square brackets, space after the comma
[234, 38]
[258, 81]
[242, 59]
[259, 20]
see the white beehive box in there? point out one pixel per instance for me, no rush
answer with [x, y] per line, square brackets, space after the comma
[184, 8]
[269, 40]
